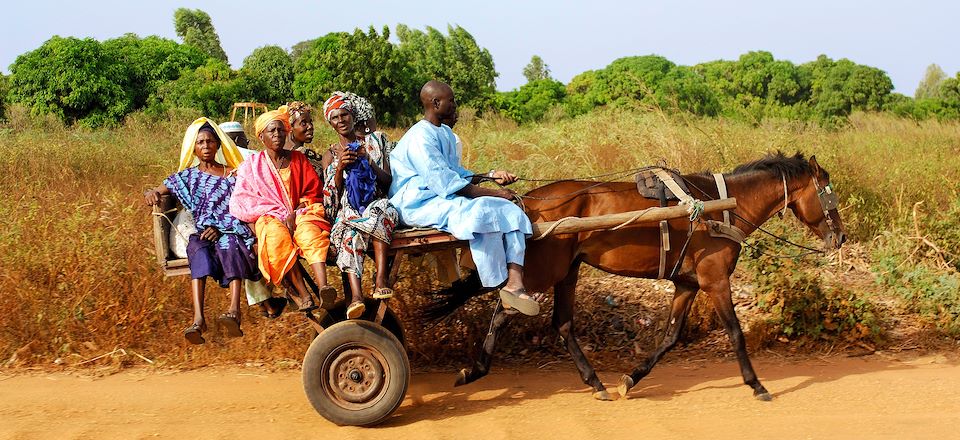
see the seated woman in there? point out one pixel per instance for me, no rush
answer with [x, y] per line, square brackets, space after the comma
[279, 193]
[222, 249]
[356, 181]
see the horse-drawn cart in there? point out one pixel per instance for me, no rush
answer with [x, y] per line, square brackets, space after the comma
[356, 372]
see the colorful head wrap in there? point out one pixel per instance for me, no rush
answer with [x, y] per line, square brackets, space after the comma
[362, 109]
[298, 109]
[337, 101]
[280, 114]
[231, 127]
[228, 152]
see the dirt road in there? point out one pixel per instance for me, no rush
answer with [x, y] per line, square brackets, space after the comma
[868, 397]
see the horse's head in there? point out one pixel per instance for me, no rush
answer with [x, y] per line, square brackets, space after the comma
[816, 204]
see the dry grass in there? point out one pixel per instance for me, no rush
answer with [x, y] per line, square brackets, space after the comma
[80, 280]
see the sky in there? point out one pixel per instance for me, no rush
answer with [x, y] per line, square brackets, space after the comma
[900, 37]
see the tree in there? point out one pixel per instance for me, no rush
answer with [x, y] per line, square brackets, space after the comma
[150, 62]
[211, 89]
[270, 71]
[840, 87]
[363, 63]
[929, 86]
[626, 81]
[196, 29]
[3, 95]
[76, 80]
[536, 70]
[455, 59]
[532, 101]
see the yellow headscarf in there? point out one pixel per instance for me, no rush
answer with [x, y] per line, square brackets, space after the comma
[228, 152]
[280, 114]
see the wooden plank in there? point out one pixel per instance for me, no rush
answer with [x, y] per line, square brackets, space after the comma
[583, 224]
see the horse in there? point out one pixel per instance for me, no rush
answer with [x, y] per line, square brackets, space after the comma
[763, 188]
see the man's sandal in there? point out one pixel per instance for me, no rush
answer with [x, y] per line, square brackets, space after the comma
[383, 293]
[356, 309]
[194, 334]
[230, 322]
[520, 301]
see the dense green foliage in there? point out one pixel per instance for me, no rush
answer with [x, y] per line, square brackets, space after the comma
[270, 72]
[196, 29]
[3, 95]
[456, 59]
[536, 70]
[211, 89]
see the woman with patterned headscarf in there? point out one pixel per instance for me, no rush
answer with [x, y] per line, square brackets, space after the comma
[280, 193]
[356, 181]
[222, 248]
[366, 124]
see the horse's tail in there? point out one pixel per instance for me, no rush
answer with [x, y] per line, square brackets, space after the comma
[448, 300]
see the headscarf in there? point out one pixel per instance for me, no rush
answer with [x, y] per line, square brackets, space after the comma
[228, 152]
[280, 114]
[362, 109]
[337, 101]
[297, 109]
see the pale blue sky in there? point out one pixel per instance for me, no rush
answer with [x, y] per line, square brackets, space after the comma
[901, 38]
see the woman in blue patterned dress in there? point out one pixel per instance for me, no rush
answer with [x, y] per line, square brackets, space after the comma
[222, 247]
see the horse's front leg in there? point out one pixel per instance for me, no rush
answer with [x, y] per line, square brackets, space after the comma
[482, 366]
[682, 300]
[720, 294]
[563, 309]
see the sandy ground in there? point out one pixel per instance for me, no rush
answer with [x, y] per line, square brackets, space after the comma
[862, 397]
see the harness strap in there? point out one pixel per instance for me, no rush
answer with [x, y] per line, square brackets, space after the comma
[667, 180]
[724, 229]
[722, 188]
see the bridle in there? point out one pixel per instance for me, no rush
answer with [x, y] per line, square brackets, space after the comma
[829, 203]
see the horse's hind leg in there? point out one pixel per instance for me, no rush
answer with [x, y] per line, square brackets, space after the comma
[682, 300]
[563, 309]
[720, 294]
[482, 366]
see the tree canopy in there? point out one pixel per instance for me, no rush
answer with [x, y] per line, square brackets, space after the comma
[196, 29]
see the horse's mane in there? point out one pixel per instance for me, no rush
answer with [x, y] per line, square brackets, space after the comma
[776, 163]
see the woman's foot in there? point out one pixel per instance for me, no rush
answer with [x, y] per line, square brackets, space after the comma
[194, 333]
[520, 301]
[273, 307]
[356, 309]
[231, 322]
[383, 293]
[304, 303]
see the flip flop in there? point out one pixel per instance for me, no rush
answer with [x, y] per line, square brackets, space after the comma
[520, 301]
[194, 334]
[230, 322]
[328, 296]
[383, 293]
[306, 305]
[275, 303]
[356, 309]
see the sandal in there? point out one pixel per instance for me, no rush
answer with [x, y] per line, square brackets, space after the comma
[194, 334]
[520, 301]
[356, 309]
[230, 322]
[328, 297]
[383, 293]
[273, 307]
[303, 304]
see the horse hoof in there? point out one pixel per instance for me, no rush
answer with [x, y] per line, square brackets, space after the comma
[764, 396]
[461, 378]
[626, 382]
[602, 395]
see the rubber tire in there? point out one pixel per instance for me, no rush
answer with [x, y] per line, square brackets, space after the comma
[390, 320]
[368, 334]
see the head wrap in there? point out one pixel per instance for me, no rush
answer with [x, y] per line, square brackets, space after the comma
[298, 109]
[337, 101]
[228, 152]
[231, 127]
[280, 114]
[362, 109]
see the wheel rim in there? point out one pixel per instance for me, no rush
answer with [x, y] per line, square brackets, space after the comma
[357, 376]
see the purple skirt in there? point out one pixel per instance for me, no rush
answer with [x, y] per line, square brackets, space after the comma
[224, 260]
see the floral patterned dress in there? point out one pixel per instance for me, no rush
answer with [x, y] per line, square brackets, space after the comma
[351, 233]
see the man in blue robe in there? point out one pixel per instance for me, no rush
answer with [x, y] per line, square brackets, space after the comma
[431, 189]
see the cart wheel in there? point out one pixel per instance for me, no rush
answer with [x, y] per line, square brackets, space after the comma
[356, 373]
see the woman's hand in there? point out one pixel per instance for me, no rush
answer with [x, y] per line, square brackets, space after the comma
[291, 222]
[347, 158]
[151, 197]
[210, 234]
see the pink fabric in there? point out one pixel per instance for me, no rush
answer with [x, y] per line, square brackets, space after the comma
[259, 191]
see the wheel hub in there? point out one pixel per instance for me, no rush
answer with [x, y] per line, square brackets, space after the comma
[356, 375]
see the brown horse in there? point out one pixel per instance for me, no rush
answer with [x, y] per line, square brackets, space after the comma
[762, 189]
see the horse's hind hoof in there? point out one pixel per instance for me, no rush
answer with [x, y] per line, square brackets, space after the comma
[764, 396]
[461, 378]
[602, 395]
[626, 382]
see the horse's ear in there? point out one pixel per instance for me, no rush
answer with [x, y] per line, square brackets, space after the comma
[814, 165]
